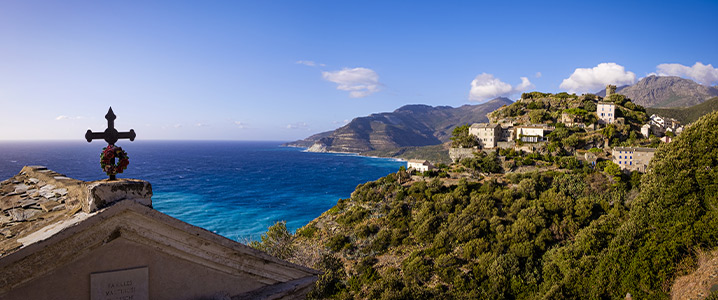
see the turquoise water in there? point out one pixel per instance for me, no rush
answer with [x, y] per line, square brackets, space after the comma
[236, 189]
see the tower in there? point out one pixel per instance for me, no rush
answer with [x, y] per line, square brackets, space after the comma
[610, 90]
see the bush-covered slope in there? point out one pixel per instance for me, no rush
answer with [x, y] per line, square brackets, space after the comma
[689, 114]
[579, 234]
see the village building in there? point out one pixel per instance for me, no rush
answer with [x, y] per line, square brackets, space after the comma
[606, 112]
[419, 165]
[531, 133]
[571, 120]
[660, 126]
[646, 130]
[590, 158]
[62, 238]
[493, 135]
[488, 134]
[633, 158]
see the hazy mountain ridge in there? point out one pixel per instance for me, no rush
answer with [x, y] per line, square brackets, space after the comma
[666, 91]
[408, 126]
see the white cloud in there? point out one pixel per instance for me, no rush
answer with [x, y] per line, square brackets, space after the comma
[359, 82]
[309, 63]
[200, 125]
[340, 122]
[63, 117]
[596, 78]
[538, 75]
[704, 74]
[241, 125]
[486, 86]
[524, 85]
[300, 125]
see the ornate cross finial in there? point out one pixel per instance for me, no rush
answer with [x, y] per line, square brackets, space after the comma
[110, 135]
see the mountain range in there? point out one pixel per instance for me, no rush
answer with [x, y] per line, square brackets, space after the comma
[419, 125]
[666, 91]
[410, 125]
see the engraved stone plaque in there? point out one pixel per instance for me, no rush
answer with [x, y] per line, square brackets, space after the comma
[132, 284]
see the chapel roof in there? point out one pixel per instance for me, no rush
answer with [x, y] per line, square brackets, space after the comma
[46, 221]
[32, 199]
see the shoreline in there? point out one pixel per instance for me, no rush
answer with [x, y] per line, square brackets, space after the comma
[346, 153]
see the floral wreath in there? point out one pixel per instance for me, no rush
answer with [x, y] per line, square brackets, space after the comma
[110, 152]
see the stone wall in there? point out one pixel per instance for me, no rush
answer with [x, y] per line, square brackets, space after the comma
[457, 154]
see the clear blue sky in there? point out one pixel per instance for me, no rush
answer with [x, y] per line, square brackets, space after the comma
[282, 70]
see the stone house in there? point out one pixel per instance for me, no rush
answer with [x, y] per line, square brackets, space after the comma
[571, 120]
[659, 126]
[488, 134]
[493, 135]
[646, 130]
[633, 158]
[606, 112]
[590, 158]
[419, 165]
[62, 238]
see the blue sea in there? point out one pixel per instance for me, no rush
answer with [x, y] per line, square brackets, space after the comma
[234, 188]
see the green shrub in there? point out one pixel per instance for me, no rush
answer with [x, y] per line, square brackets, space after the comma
[276, 242]
[338, 242]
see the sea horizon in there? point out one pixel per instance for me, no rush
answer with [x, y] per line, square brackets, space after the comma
[233, 188]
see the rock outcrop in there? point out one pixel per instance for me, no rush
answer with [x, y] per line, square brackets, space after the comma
[666, 91]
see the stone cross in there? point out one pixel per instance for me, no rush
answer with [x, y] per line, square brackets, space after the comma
[110, 135]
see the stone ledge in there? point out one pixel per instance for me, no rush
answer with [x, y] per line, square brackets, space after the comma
[104, 193]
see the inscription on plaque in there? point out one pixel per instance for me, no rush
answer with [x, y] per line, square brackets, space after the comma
[132, 284]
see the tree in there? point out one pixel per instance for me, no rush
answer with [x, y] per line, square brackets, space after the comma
[612, 169]
[402, 175]
[461, 137]
[276, 242]
[617, 98]
[537, 116]
[609, 132]
[483, 163]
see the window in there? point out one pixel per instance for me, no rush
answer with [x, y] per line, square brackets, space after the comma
[620, 156]
[631, 163]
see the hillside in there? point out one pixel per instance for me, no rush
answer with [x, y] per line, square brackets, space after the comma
[666, 91]
[549, 109]
[408, 126]
[689, 114]
[562, 232]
